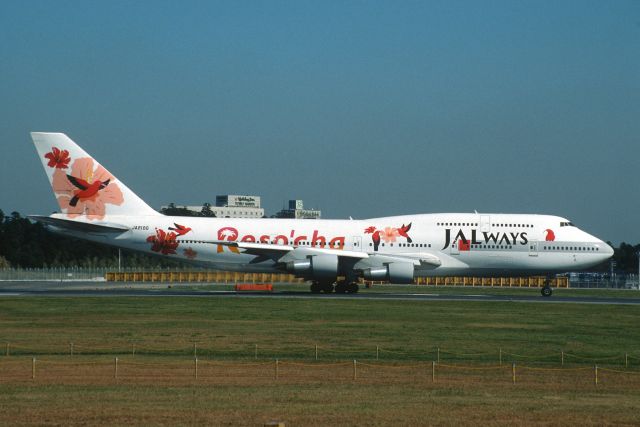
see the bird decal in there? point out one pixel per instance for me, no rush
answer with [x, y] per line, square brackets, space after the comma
[550, 235]
[389, 234]
[375, 236]
[180, 230]
[86, 189]
[403, 232]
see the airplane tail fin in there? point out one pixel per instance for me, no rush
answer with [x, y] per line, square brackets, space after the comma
[83, 187]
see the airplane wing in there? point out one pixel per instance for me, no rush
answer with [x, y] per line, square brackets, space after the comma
[285, 253]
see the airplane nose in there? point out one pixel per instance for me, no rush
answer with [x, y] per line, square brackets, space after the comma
[607, 251]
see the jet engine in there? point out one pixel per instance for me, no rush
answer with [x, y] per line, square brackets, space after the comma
[395, 272]
[316, 267]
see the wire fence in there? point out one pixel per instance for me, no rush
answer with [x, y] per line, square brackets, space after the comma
[149, 370]
[52, 274]
[317, 353]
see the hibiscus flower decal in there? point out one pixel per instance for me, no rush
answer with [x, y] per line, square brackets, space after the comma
[190, 253]
[58, 159]
[86, 190]
[389, 234]
[163, 242]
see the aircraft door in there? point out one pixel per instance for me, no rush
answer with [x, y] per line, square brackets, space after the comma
[533, 248]
[356, 244]
[454, 249]
[485, 223]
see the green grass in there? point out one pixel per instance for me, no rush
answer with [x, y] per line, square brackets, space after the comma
[228, 328]
[343, 329]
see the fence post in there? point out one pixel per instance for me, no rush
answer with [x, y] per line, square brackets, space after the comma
[316, 351]
[115, 368]
[256, 352]
[355, 369]
[626, 360]
[377, 352]
[562, 358]
[195, 349]
[513, 373]
[438, 354]
[195, 371]
[33, 368]
[433, 371]
[133, 349]
[276, 369]
[596, 375]
[71, 348]
[500, 357]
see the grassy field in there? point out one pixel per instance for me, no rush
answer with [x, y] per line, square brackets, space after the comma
[235, 388]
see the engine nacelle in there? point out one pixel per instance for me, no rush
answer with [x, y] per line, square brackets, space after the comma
[316, 267]
[395, 272]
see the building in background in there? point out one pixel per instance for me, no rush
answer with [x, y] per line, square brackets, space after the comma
[237, 206]
[297, 210]
[227, 206]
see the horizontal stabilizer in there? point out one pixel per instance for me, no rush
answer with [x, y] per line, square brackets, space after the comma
[69, 224]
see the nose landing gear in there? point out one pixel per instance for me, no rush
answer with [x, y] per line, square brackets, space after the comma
[546, 289]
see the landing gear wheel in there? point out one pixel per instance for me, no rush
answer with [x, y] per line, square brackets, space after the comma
[327, 288]
[546, 291]
[341, 287]
[316, 288]
[352, 288]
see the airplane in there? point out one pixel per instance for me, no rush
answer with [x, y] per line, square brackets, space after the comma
[330, 253]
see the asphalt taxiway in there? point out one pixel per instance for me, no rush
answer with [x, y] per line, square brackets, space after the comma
[119, 289]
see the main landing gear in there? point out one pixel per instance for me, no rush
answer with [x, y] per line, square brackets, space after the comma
[342, 287]
[317, 287]
[546, 289]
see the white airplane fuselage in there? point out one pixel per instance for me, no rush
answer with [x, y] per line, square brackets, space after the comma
[96, 206]
[466, 244]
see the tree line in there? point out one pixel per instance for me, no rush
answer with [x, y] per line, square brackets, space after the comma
[27, 244]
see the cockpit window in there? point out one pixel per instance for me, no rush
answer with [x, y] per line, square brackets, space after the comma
[567, 224]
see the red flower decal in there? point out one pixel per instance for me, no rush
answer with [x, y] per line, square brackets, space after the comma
[58, 158]
[163, 242]
[190, 253]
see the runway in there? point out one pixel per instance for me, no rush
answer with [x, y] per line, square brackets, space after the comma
[110, 289]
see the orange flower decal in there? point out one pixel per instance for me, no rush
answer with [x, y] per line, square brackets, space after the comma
[190, 253]
[58, 158]
[86, 191]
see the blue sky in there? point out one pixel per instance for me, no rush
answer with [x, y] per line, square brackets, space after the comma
[360, 108]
